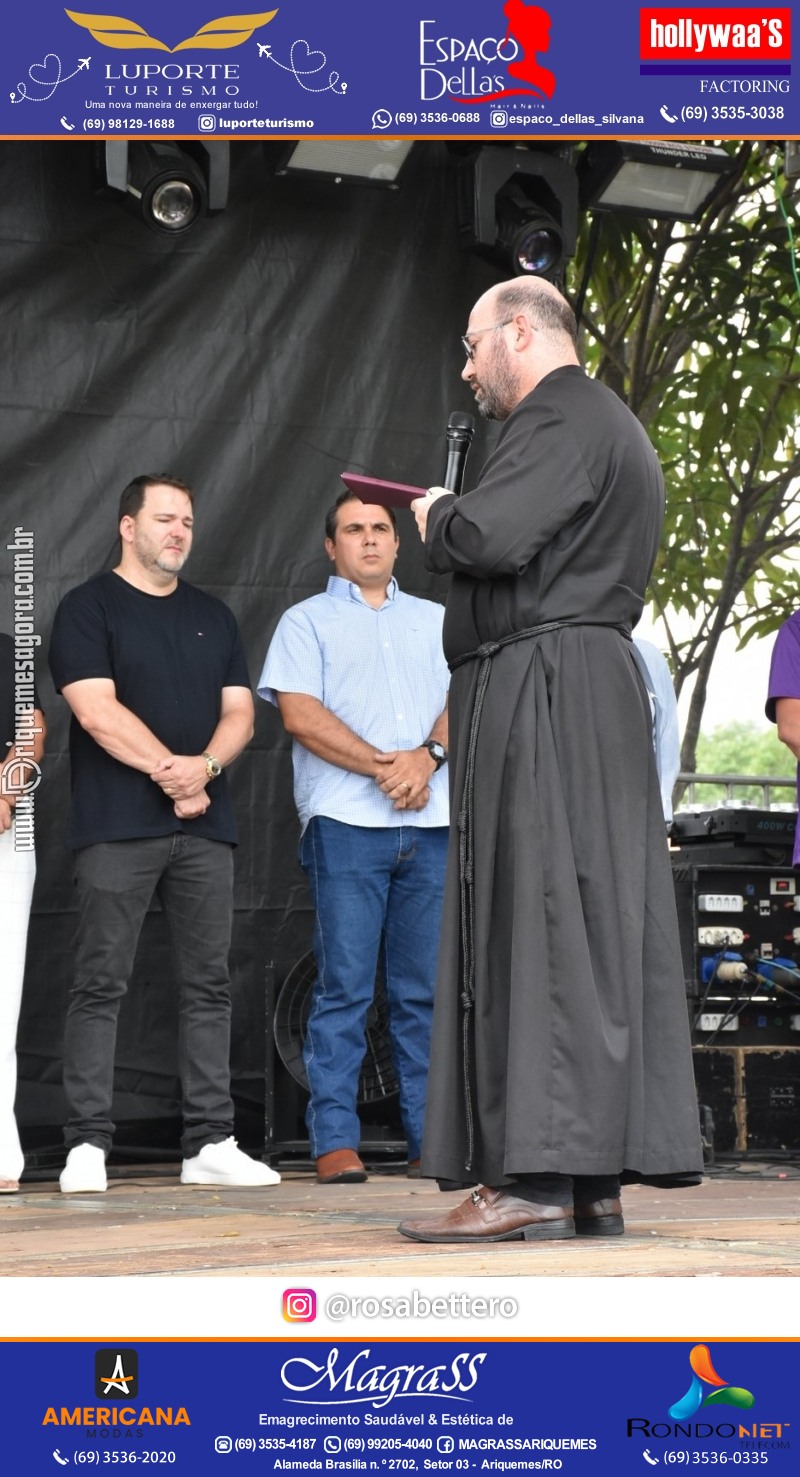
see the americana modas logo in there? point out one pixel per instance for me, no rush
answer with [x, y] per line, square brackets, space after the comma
[116, 1374]
[127, 35]
[699, 1394]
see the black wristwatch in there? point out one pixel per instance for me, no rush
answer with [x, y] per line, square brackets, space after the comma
[437, 752]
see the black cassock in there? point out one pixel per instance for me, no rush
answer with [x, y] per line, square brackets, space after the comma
[576, 1056]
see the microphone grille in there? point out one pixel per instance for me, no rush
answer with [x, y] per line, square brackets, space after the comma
[461, 420]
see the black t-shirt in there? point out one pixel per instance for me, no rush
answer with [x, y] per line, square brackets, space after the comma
[8, 691]
[169, 657]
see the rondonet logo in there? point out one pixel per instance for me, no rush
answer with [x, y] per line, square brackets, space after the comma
[706, 1393]
[127, 35]
[723, 34]
[697, 1395]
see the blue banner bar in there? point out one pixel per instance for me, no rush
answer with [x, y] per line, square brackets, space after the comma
[450, 68]
[398, 1409]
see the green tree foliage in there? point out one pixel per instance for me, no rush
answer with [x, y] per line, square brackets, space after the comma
[743, 748]
[697, 326]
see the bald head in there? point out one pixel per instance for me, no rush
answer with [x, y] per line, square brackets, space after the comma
[519, 331]
[546, 307]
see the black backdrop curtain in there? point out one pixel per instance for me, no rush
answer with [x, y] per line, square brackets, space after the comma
[309, 329]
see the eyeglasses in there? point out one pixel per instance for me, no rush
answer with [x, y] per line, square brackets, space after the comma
[466, 339]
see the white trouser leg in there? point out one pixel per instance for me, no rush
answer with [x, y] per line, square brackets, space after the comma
[17, 872]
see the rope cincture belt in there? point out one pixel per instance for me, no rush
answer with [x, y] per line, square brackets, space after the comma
[466, 852]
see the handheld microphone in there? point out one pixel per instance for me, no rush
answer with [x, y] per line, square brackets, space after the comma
[460, 431]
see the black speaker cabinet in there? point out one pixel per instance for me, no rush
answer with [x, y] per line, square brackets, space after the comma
[289, 991]
[739, 910]
[753, 1094]
[718, 1094]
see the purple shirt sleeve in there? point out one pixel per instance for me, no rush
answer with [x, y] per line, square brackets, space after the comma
[784, 672]
[784, 681]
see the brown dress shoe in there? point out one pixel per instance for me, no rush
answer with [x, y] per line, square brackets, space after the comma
[9, 1187]
[340, 1167]
[599, 1218]
[413, 1169]
[494, 1215]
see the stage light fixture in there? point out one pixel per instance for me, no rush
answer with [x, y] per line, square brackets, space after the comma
[168, 186]
[662, 178]
[374, 161]
[519, 208]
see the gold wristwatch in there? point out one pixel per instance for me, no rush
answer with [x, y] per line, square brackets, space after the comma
[213, 766]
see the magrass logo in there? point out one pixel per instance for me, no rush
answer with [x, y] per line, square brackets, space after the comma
[116, 1374]
[128, 35]
[704, 1374]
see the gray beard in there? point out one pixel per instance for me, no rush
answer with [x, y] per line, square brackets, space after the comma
[170, 568]
[497, 398]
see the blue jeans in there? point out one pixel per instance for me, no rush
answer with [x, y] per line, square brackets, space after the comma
[193, 878]
[373, 889]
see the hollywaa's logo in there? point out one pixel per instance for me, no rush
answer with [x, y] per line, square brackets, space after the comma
[703, 1374]
[715, 33]
[125, 35]
[527, 37]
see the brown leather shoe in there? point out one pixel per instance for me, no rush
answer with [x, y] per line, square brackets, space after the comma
[494, 1215]
[599, 1218]
[340, 1167]
[413, 1169]
[9, 1187]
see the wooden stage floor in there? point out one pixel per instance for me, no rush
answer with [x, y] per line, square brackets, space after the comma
[742, 1222]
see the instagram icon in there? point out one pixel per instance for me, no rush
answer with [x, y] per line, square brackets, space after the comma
[299, 1305]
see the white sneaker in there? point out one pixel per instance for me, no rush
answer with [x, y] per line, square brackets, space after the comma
[225, 1164]
[84, 1171]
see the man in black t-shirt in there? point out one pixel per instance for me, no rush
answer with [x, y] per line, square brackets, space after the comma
[154, 672]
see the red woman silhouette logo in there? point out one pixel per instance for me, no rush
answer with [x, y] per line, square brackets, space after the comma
[530, 27]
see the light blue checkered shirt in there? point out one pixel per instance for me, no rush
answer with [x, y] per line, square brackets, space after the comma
[382, 672]
[664, 708]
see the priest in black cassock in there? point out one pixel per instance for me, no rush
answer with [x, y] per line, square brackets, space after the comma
[561, 1061]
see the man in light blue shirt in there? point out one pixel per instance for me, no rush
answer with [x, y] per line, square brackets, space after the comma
[664, 707]
[361, 683]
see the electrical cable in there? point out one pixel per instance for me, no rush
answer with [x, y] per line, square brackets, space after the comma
[707, 991]
[733, 1013]
[721, 958]
[772, 982]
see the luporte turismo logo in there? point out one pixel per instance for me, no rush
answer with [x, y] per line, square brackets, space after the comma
[122, 34]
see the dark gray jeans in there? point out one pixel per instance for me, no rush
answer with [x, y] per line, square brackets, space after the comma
[193, 879]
